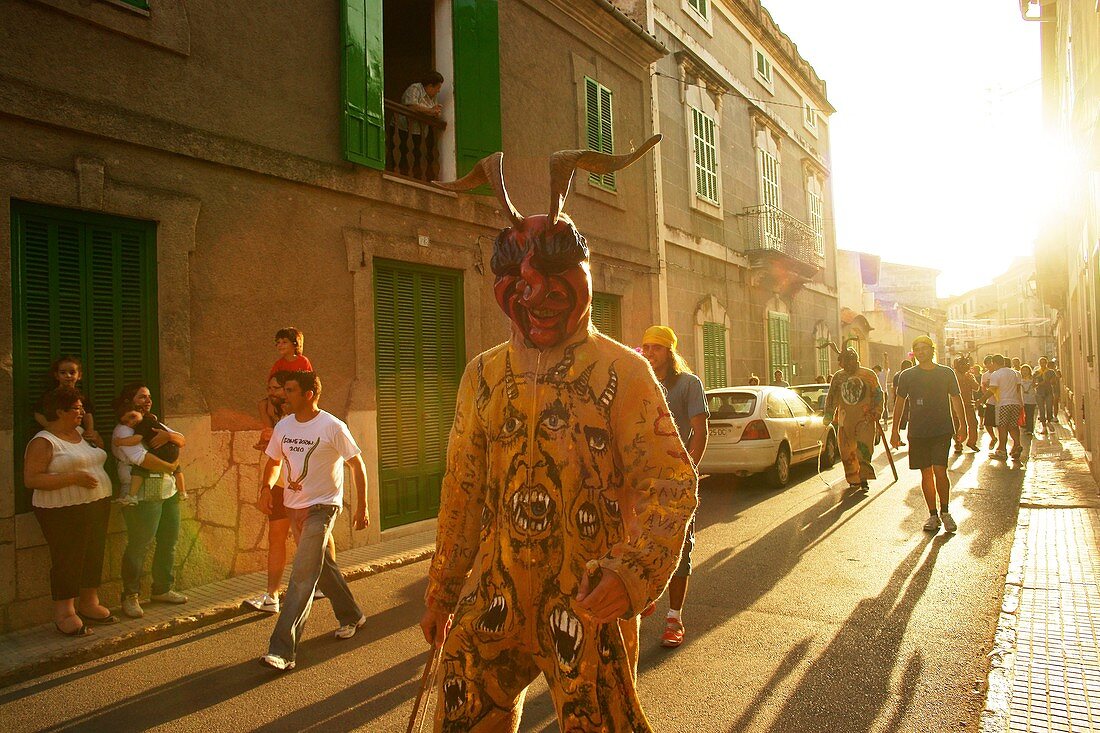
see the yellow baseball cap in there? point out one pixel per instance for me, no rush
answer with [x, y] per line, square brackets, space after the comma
[924, 340]
[660, 335]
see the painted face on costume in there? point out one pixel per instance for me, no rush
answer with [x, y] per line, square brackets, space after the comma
[543, 282]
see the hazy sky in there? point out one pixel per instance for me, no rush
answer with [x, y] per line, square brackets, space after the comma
[936, 142]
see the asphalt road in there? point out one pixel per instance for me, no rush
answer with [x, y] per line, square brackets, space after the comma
[811, 609]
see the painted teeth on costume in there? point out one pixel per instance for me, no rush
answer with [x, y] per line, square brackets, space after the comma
[568, 635]
[495, 617]
[587, 521]
[454, 694]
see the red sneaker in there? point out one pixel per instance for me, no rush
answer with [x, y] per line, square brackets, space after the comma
[674, 633]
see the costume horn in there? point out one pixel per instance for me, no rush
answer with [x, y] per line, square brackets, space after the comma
[564, 163]
[489, 169]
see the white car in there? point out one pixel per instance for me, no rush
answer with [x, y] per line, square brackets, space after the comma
[763, 428]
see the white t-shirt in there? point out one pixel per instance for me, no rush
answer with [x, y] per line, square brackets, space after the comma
[991, 399]
[313, 455]
[1006, 381]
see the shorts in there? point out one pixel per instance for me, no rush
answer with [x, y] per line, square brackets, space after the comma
[989, 419]
[926, 452]
[278, 511]
[1008, 415]
[683, 570]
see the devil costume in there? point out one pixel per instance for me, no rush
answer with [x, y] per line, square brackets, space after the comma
[856, 398]
[563, 465]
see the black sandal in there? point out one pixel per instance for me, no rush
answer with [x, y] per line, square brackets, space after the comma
[82, 630]
[107, 620]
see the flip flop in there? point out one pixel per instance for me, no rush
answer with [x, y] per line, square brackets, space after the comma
[104, 621]
[82, 630]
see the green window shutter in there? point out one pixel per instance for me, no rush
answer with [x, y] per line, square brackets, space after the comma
[420, 356]
[598, 117]
[779, 345]
[607, 315]
[477, 81]
[83, 284]
[714, 355]
[363, 129]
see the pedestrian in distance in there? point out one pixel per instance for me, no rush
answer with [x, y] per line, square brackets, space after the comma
[905, 364]
[314, 446]
[754, 380]
[778, 380]
[855, 403]
[1004, 383]
[688, 405]
[1027, 388]
[1044, 398]
[932, 392]
[988, 403]
[967, 386]
[1017, 362]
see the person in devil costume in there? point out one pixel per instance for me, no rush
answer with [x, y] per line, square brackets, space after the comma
[566, 496]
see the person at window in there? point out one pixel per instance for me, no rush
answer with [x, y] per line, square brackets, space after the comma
[67, 372]
[778, 380]
[289, 344]
[156, 517]
[855, 402]
[420, 96]
[684, 393]
[71, 501]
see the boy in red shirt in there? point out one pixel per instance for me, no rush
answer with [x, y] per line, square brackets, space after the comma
[289, 342]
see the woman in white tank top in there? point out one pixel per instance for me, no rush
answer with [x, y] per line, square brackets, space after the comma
[72, 503]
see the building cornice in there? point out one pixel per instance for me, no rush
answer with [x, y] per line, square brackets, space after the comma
[623, 33]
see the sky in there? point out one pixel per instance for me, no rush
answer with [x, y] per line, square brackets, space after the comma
[938, 155]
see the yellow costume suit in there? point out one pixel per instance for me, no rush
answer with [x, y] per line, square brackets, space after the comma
[557, 458]
[857, 400]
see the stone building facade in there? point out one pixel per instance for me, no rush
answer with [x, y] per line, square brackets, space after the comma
[747, 243]
[1067, 252]
[178, 180]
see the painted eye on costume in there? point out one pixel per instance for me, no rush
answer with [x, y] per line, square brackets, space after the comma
[597, 439]
[511, 426]
[554, 418]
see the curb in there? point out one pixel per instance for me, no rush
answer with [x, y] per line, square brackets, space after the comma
[180, 625]
[995, 716]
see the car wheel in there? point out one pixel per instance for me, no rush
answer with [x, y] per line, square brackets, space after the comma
[779, 475]
[829, 457]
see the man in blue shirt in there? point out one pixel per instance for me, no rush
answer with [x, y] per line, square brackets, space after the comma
[688, 405]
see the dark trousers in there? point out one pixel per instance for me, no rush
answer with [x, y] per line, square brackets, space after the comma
[1029, 418]
[147, 522]
[77, 536]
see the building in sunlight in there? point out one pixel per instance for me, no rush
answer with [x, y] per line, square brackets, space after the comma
[1067, 253]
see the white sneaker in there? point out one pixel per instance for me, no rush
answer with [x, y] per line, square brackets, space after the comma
[276, 662]
[128, 500]
[348, 630]
[949, 524]
[267, 603]
[933, 524]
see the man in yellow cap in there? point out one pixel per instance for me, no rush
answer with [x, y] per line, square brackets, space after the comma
[935, 415]
[688, 406]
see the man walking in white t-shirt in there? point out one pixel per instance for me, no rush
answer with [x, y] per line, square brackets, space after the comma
[315, 445]
[1005, 383]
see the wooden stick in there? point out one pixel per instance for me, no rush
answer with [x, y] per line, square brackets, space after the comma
[426, 681]
[889, 455]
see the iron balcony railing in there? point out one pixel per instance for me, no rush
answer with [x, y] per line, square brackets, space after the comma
[771, 229]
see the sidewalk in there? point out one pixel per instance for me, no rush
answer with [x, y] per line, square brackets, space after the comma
[38, 650]
[1046, 655]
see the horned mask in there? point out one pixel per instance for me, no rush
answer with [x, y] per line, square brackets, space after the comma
[543, 282]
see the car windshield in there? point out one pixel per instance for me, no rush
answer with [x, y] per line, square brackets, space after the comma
[814, 396]
[731, 405]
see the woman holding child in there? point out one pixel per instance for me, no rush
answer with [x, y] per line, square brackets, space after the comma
[71, 500]
[155, 515]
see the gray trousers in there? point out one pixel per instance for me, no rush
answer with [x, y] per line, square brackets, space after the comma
[313, 568]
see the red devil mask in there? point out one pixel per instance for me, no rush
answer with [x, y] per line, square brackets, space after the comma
[541, 262]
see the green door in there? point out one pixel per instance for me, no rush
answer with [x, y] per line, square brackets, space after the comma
[421, 354]
[83, 285]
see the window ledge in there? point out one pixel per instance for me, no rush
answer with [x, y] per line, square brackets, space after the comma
[168, 28]
[703, 21]
[418, 184]
[703, 206]
[611, 198]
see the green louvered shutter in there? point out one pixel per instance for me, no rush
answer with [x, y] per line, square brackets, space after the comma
[714, 355]
[420, 346]
[83, 284]
[363, 128]
[598, 127]
[607, 315]
[477, 81]
[779, 344]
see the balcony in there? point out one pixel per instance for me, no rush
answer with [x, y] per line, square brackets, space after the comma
[412, 142]
[780, 243]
